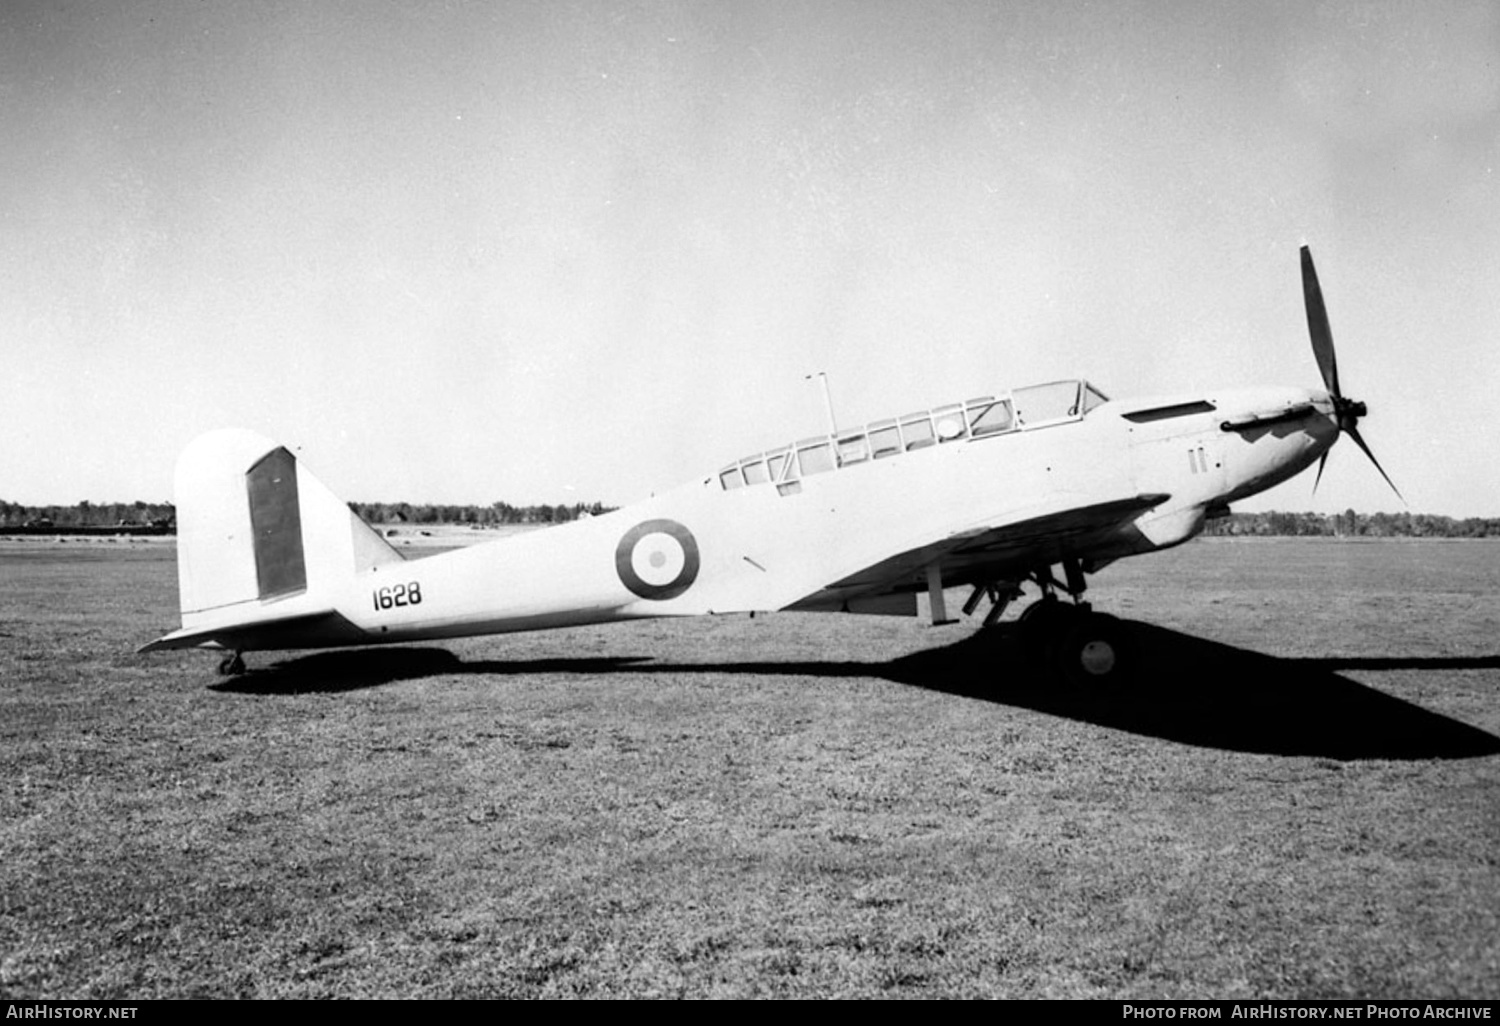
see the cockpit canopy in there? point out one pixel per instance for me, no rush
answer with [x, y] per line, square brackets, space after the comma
[1023, 409]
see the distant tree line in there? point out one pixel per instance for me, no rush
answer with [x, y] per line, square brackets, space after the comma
[493, 515]
[1350, 524]
[1274, 524]
[160, 514]
[89, 514]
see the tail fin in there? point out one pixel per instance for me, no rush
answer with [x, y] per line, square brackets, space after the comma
[255, 529]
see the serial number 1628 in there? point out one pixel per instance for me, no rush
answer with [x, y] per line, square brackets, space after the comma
[409, 594]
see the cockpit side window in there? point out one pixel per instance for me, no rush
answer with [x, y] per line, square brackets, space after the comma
[916, 432]
[788, 481]
[950, 423]
[990, 417]
[853, 449]
[885, 439]
[1041, 404]
[816, 458]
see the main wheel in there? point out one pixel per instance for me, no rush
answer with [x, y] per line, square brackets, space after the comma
[1093, 650]
[1043, 622]
[232, 665]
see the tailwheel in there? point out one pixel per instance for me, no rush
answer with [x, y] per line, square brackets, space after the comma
[1093, 650]
[232, 665]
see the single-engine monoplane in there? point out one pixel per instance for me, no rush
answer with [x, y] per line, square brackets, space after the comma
[1042, 485]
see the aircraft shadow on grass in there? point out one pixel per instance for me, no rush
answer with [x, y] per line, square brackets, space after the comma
[1189, 690]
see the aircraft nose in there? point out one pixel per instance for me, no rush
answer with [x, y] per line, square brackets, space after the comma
[1274, 434]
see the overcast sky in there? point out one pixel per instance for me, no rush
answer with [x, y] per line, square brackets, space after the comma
[558, 252]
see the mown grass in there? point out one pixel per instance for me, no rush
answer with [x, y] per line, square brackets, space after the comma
[1298, 801]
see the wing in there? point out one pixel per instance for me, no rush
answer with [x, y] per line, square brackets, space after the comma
[1033, 539]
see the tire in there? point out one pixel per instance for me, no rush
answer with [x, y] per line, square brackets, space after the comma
[1042, 624]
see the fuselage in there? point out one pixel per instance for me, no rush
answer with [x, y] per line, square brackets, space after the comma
[988, 492]
[781, 528]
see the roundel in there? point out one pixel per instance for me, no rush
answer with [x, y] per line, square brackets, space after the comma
[657, 559]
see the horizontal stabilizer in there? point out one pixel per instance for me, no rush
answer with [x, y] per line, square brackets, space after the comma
[325, 627]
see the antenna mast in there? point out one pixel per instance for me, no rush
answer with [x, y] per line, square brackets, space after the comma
[833, 428]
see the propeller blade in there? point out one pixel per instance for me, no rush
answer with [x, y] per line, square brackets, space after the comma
[1317, 325]
[1321, 460]
[1353, 432]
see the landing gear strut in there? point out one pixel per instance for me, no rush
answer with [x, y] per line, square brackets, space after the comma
[232, 665]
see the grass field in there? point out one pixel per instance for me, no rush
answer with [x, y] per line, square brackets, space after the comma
[1301, 799]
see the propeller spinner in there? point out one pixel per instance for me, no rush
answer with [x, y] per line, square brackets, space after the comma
[1346, 411]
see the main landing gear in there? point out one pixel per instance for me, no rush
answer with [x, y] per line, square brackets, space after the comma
[1067, 638]
[232, 665]
[1079, 645]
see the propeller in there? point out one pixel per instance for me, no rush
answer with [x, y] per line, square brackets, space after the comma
[1346, 411]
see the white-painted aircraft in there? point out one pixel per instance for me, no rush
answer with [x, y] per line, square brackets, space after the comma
[990, 493]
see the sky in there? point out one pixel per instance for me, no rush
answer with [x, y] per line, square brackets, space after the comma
[574, 252]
